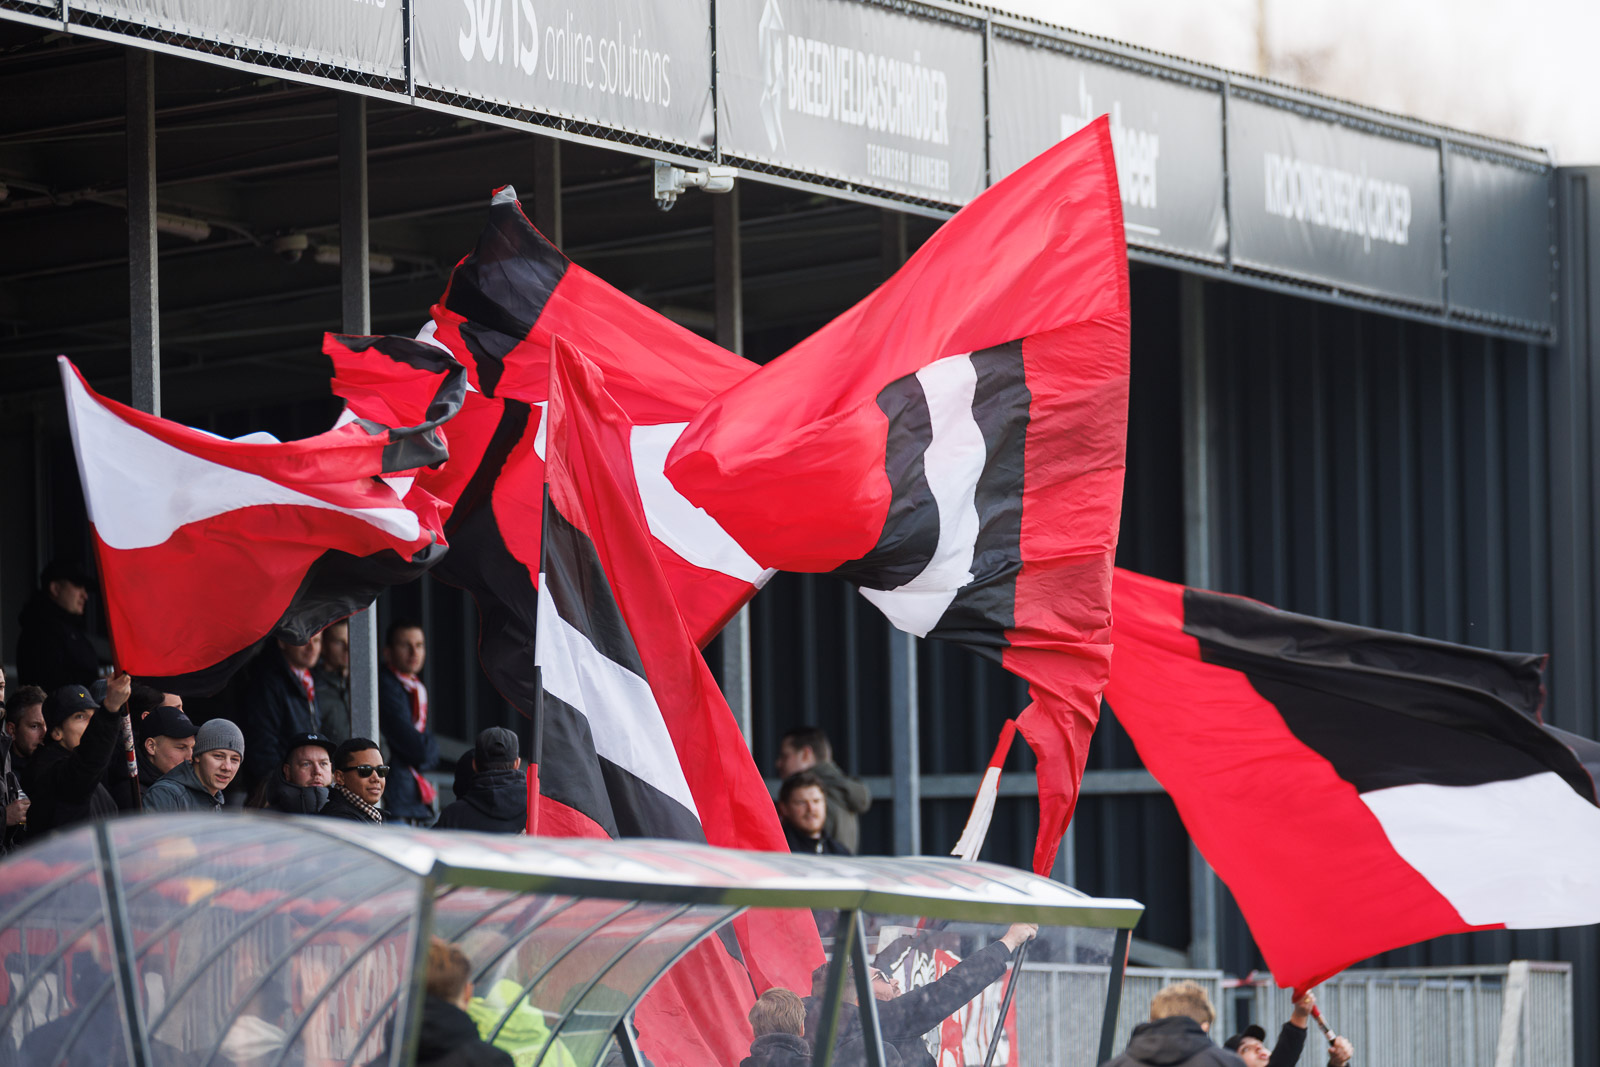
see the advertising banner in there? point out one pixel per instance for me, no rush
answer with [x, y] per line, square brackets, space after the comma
[632, 67]
[1322, 201]
[358, 35]
[1502, 218]
[856, 92]
[1167, 136]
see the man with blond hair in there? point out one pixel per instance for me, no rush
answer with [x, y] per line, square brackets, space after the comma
[778, 1019]
[1178, 1033]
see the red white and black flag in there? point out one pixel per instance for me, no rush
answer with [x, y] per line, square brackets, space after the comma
[635, 738]
[954, 445]
[1357, 790]
[230, 541]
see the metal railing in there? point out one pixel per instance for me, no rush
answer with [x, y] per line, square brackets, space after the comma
[1511, 1015]
[1059, 1005]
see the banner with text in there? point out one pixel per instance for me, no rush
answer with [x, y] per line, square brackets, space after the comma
[1331, 204]
[855, 92]
[638, 68]
[1167, 137]
[366, 36]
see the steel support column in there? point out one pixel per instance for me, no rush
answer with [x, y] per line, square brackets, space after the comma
[728, 273]
[1197, 527]
[547, 188]
[355, 297]
[144, 288]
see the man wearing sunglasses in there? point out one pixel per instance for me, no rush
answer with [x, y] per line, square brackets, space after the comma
[359, 775]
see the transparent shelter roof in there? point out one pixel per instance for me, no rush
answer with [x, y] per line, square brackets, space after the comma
[274, 940]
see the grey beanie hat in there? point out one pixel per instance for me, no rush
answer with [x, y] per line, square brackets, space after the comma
[218, 733]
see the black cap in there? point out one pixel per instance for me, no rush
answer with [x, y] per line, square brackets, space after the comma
[496, 745]
[1233, 1043]
[64, 701]
[63, 569]
[320, 740]
[164, 720]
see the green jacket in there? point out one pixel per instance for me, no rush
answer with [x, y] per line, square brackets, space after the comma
[524, 1034]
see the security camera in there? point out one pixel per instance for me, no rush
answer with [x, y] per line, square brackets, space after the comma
[670, 181]
[291, 246]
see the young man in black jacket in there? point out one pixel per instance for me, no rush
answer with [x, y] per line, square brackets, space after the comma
[1178, 1033]
[359, 777]
[449, 1037]
[803, 810]
[278, 700]
[496, 798]
[53, 645]
[66, 779]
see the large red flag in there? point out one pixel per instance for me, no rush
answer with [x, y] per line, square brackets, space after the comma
[954, 444]
[1357, 790]
[636, 738]
[229, 541]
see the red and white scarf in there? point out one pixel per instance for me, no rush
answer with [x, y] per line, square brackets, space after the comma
[419, 721]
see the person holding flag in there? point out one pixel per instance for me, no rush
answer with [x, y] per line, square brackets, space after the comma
[1250, 1043]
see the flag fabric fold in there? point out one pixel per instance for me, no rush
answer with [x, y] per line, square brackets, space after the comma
[230, 541]
[1358, 790]
[954, 445]
[636, 739]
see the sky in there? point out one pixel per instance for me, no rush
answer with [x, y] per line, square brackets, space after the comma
[1524, 71]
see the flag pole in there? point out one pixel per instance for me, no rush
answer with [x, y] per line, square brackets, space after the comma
[538, 672]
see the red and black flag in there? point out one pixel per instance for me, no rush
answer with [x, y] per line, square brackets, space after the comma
[1357, 790]
[230, 541]
[635, 739]
[954, 445]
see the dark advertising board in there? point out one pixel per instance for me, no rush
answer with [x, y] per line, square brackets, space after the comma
[1167, 135]
[366, 37]
[623, 65]
[1501, 218]
[858, 93]
[1349, 208]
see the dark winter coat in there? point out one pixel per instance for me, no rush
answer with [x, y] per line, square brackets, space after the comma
[905, 1019]
[10, 790]
[1291, 1042]
[820, 846]
[408, 748]
[778, 1050]
[53, 646]
[497, 803]
[449, 1038]
[340, 808]
[180, 789]
[273, 707]
[297, 799]
[333, 703]
[67, 787]
[848, 798]
[1176, 1041]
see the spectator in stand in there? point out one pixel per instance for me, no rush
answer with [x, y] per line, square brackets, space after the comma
[332, 677]
[279, 700]
[147, 698]
[1178, 1033]
[24, 727]
[302, 787]
[803, 807]
[807, 749]
[197, 785]
[496, 800]
[449, 1037]
[166, 741]
[12, 798]
[778, 1020]
[1250, 1044]
[403, 719]
[53, 647]
[66, 779]
[359, 775]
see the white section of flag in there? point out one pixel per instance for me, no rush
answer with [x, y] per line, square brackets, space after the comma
[140, 490]
[624, 718]
[689, 531]
[952, 464]
[1523, 852]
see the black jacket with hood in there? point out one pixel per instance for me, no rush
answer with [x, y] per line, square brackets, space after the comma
[53, 646]
[68, 785]
[449, 1038]
[497, 803]
[1176, 1041]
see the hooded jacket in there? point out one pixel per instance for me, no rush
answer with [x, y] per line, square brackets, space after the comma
[295, 799]
[181, 789]
[497, 803]
[778, 1050]
[53, 646]
[1176, 1041]
[449, 1038]
[68, 785]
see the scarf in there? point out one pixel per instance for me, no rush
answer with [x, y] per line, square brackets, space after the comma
[368, 812]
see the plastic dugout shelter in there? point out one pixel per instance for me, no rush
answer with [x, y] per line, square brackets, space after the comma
[267, 941]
